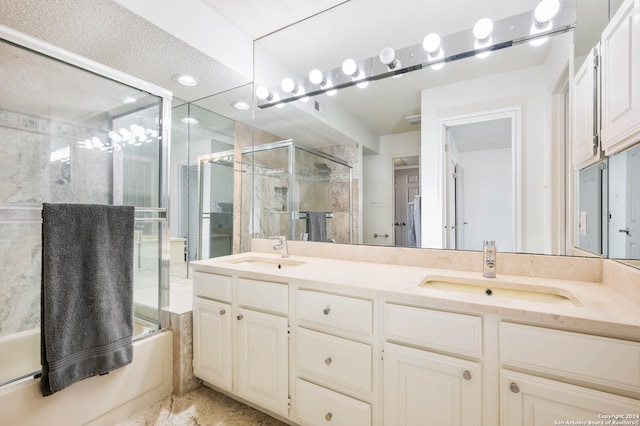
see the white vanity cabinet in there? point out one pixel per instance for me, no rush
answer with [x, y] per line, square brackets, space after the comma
[597, 363]
[425, 387]
[620, 43]
[212, 346]
[241, 333]
[586, 146]
[334, 359]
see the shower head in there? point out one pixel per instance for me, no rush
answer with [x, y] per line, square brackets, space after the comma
[323, 169]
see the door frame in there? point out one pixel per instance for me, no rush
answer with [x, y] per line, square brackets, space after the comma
[392, 211]
[515, 115]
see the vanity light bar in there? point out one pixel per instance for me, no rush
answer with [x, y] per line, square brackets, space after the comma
[506, 32]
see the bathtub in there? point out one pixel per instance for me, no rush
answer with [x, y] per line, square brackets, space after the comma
[100, 400]
[20, 352]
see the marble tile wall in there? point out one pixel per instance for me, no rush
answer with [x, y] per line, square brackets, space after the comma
[266, 187]
[41, 162]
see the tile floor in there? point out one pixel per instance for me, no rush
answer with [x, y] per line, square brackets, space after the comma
[201, 407]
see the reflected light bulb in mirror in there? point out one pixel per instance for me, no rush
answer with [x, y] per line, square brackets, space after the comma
[316, 77]
[262, 92]
[363, 84]
[536, 29]
[546, 10]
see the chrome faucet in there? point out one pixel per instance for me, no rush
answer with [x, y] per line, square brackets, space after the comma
[489, 259]
[281, 245]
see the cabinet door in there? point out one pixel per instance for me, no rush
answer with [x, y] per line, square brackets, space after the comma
[585, 114]
[262, 354]
[621, 79]
[423, 388]
[212, 342]
[533, 401]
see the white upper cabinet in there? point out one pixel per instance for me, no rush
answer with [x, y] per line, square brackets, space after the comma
[586, 147]
[620, 45]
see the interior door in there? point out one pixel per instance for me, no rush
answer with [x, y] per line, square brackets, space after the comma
[406, 187]
[633, 204]
[459, 209]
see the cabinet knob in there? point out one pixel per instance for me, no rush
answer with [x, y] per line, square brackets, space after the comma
[222, 312]
[328, 416]
[328, 361]
[239, 317]
[513, 387]
[466, 375]
[326, 310]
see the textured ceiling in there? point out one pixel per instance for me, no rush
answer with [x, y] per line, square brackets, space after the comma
[110, 34]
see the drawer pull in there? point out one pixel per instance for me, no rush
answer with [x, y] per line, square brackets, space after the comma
[239, 317]
[514, 388]
[328, 416]
[328, 361]
[466, 375]
[326, 310]
[222, 312]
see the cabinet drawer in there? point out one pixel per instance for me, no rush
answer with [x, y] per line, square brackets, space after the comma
[212, 286]
[264, 295]
[445, 331]
[341, 361]
[600, 360]
[316, 405]
[335, 311]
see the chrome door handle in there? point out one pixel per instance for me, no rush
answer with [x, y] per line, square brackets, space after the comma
[625, 230]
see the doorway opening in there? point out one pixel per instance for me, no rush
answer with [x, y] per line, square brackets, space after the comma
[482, 180]
[406, 201]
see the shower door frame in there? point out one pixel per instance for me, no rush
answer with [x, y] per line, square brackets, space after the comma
[48, 50]
[291, 145]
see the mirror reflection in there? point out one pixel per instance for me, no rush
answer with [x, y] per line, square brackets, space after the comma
[408, 118]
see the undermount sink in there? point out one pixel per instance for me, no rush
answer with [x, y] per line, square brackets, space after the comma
[501, 289]
[264, 263]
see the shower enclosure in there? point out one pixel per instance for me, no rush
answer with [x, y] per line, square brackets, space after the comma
[284, 182]
[72, 131]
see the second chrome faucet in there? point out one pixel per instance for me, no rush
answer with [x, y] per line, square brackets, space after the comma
[281, 245]
[489, 259]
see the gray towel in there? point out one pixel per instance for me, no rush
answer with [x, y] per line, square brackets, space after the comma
[87, 292]
[417, 219]
[317, 226]
[411, 230]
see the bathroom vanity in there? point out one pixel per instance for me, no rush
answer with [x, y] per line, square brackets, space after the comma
[344, 335]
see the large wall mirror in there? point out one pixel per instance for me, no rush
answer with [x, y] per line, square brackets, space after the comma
[482, 142]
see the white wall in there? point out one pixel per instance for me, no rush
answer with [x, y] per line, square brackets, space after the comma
[523, 88]
[617, 204]
[377, 182]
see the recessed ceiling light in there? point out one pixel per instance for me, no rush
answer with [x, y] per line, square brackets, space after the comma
[129, 100]
[185, 80]
[189, 120]
[240, 105]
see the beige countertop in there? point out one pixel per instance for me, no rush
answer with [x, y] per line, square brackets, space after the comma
[603, 310]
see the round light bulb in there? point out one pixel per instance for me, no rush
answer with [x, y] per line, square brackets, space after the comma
[262, 92]
[349, 67]
[436, 56]
[431, 43]
[387, 55]
[288, 85]
[482, 29]
[316, 77]
[536, 29]
[546, 10]
[363, 84]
